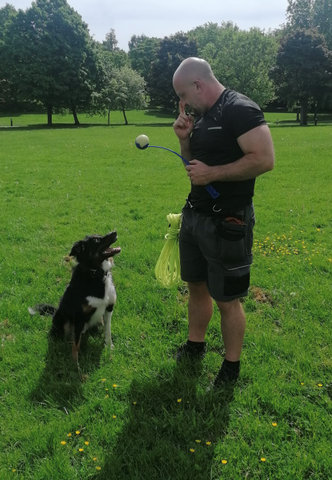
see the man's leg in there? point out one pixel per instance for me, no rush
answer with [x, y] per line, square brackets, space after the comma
[200, 309]
[233, 324]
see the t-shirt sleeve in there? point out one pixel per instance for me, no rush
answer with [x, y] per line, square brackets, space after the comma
[244, 115]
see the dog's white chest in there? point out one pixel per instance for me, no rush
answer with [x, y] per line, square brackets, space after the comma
[102, 303]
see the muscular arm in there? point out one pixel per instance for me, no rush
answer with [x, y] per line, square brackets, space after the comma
[258, 158]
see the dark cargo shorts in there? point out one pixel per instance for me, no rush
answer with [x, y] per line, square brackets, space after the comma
[218, 250]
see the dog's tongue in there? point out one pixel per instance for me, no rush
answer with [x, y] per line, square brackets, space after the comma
[112, 251]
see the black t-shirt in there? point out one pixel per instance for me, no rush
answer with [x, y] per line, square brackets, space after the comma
[214, 142]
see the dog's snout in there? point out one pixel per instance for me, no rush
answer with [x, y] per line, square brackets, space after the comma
[112, 236]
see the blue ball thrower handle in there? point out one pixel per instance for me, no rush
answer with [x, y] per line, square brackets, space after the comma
[208, 188]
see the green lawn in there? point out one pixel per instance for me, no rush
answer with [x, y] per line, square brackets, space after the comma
[139, 415]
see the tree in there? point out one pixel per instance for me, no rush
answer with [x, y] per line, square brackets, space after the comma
[111, 42]
[172, 51]
[142, 52]
[240, 59]
[7, 16]
[311, 14]
[125, 90]
[50, 57]
[117, 56]
[303, 71]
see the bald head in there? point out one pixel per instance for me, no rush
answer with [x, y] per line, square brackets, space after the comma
[192, 69]
[196, 85]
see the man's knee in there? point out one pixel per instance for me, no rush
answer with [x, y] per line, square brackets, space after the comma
[198, 288]
[229, 307]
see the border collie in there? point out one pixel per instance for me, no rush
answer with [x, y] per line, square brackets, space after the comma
[90, 294]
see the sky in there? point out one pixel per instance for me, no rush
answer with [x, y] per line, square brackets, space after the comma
[156, 18]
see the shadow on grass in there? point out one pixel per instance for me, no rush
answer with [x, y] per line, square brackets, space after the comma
[166, 416]
[60, 385]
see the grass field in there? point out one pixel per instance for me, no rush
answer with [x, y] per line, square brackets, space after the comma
[137, 415]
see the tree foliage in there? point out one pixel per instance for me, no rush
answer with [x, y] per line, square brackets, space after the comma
[124, 90]
[240, 59]
[172, 51]
[303, 71]
[50, 57]
[311, 14]
[117, 56]
[142, 52]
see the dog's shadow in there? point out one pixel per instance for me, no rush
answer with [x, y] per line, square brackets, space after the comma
[172, 430]
[61, 383]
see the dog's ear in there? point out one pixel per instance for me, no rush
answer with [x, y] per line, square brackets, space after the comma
[78, 250]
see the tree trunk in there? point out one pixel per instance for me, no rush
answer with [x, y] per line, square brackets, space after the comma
[108, 117]
[124, 115]
[316, 114]
[298, 116]
[49, 115]
[304, 113]
[75, 116]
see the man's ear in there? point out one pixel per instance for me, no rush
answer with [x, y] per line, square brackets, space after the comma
[78, 250]
[198, 85]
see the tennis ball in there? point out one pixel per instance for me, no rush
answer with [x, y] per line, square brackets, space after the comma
[142, 141]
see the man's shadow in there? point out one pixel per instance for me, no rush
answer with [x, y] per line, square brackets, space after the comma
[172, 429]
[61, 383]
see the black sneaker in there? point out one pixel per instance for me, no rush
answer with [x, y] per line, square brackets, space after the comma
[187, 352]
[225, 377]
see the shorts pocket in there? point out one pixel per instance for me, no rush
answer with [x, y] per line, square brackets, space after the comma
[235, 243]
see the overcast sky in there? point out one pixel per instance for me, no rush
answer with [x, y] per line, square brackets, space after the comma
[157, 18]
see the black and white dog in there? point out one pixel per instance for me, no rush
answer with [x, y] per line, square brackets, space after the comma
[90, 295]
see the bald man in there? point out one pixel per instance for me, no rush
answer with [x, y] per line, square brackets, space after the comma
[227, 144]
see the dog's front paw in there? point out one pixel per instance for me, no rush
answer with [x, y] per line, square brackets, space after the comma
[109, 343]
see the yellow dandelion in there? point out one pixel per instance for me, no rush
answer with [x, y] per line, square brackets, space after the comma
[114, 385]
[274, 424]
[263, 459]
[98, 468]
[224, 462]
[192, 450]
[208, 443]
[134, 403]
[103, 379]
[94, 459]
[302, 383]
[14, 470]
[330, 259]
[63, 442]
[179, 400]
[80, 449]
[198, 441]
[86, 443]
[106, 396]
[77, 432]
[69, 435]
[114, 416]
[320, 384]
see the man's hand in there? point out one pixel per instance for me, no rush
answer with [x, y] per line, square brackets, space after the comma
[184, 124]
[198, 172]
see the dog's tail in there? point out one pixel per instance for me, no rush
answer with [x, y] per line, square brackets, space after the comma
[43, 309]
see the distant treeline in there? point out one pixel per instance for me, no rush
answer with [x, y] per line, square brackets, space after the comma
[50, 62]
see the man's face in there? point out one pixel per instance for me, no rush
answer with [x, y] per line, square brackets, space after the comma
[188, 94]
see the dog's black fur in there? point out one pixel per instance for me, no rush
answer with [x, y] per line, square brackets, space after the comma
[90, 294]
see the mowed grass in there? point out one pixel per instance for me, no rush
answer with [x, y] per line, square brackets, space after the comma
[136, 414]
